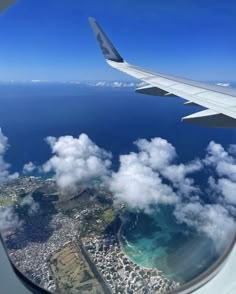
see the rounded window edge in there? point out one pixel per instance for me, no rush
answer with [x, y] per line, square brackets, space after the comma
[207, 275]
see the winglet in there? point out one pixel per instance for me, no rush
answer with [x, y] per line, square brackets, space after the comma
[108, 50]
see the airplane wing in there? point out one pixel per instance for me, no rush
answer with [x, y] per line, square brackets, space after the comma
[219, 101]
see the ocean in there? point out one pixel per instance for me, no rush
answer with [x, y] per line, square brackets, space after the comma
[114, 118]
[157, 241]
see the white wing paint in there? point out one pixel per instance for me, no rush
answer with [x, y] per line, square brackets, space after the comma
[220, 101]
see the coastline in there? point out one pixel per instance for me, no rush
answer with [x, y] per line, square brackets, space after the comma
[121, 273]
[122, 248]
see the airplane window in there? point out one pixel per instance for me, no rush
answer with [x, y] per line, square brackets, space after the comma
[110, 182]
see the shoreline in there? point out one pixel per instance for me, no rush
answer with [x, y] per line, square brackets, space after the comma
[121, 246]
[121, 272]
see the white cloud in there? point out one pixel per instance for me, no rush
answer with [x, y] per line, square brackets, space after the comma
[29, 167]
[29, 202]
[160, 156]
[224, 164]
[73, 82]
[223, 84]
[232, 149]
[39, 81]
[142, 84]
[177, 174]
[116, 84]
[123, 85]
[76, 161]
[215, 153]
[211, 220]
[8, 219]
[138, 185]
[4, 166]
[157, 153]
[101, 84]
[151, 176]
[3, 142]
[228, 189]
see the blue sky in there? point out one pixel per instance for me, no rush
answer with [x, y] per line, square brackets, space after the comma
[52, 40]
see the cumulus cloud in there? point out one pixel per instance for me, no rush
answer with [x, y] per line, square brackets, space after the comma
[153, 176]
[150, 176]
[227, 188]
[223, 184]
[76, 161]
[138, 185]
[211, 220]
[29, 167]
[160, 155]
[31, 205]
[178, 175]
[221, 160]
[4, 166]
[157, 153]
[8, 219]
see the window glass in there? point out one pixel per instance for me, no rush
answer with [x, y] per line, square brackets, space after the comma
[104, 190]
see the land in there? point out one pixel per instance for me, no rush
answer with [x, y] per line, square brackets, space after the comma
[71, 271]
[71, 243]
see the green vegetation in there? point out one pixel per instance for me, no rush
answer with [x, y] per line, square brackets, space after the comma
[7, 202]
[108, 215]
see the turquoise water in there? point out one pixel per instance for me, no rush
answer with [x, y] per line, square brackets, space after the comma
[157, 241]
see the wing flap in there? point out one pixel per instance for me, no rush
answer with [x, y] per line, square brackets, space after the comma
[210, 118]
[190, 103]
[153, 91]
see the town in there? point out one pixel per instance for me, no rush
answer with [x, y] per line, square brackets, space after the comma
[71, 243]
[120, 273]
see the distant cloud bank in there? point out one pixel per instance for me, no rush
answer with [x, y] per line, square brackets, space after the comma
[107, 84]
[116, 84]
[100, 84]
[224, 84]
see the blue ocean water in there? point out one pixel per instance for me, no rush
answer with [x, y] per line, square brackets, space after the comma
[114, 118]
